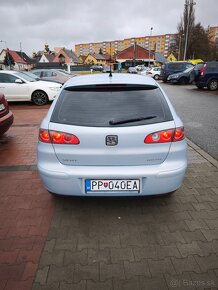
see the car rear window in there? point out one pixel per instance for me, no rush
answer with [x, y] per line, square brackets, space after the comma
[97, 106]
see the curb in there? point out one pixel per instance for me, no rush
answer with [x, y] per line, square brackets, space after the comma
[205, 155]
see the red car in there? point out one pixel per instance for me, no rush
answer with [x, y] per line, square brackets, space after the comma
[6, 116]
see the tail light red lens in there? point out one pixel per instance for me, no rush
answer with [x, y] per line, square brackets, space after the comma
[44, 136]
[203, 70]
[172, 135]
[179, 134]
[56, 137]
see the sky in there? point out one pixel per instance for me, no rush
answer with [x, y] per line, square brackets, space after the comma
[29, 24]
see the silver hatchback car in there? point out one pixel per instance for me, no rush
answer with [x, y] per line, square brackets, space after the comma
[111, 136]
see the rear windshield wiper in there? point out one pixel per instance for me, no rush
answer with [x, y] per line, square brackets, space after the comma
[130, 120]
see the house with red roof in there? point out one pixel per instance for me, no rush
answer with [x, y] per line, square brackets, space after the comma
[135, 54]
[14, 60]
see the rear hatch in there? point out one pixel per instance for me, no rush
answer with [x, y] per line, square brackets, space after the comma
[111, 123]
[163, 71]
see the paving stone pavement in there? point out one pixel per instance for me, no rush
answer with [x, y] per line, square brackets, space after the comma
[167, 242]
[64, 243]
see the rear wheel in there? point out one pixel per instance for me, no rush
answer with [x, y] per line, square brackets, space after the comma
[39, 98]
[156, 77]
[212, 85]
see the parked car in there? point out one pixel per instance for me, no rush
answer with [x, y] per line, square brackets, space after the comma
[170, 68]
[185, 77]
[6, 116]
[141, 67]
[107, 69]
[132, 70]
[207, 75]
[111, 136]
[96, 67]
[154, 72]
[52, 75]
[18, 86]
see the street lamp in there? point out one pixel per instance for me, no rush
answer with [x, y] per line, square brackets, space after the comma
[189, 5]
[149, 46]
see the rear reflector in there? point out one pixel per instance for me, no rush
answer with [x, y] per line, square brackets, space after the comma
[172, 135]
[57, 137]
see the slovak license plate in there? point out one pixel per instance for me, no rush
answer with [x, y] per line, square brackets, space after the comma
[93, 185]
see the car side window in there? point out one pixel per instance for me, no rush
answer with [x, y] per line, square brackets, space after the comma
[7, 78]
[38, 73]
[47, 74]
[212, 67]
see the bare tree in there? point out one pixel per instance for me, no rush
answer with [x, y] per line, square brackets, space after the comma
[192, 40]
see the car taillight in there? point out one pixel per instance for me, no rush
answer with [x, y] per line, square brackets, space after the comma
[149, 73]
[44, 136]
[172, 135]
[57, 137]
[203, 69]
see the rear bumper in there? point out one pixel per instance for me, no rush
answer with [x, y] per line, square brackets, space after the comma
[5, 122]
[201, 84]
[155, 179]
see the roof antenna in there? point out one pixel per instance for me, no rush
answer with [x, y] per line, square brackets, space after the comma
[110, 74]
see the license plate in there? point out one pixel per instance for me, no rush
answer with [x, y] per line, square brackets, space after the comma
[2, 107]
[96, 185]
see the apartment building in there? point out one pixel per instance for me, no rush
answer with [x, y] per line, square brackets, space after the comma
[213, 33]
[157, 43]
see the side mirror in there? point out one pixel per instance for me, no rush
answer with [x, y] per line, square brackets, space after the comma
[18, 81]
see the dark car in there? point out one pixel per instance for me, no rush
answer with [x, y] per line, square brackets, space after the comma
[96, 67]
[207, 75]
[185, 77]
[6, 116]
[170, 68]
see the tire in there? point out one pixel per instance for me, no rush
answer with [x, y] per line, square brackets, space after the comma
[183, 81]
[156, 77]
[212, 85]
[39, 98]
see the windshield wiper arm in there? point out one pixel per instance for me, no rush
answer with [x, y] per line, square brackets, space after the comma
[130, 120]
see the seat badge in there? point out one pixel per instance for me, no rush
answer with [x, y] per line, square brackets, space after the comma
[111, 140]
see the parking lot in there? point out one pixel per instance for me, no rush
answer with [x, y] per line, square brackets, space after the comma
[46, 242]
